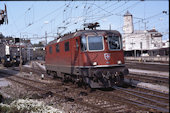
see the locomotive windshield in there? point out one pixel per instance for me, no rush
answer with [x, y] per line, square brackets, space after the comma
[92, 43]
[95, 42]
[114, 42]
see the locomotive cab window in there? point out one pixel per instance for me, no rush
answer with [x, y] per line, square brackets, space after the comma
[95, 43]
[66, 46]
[83, 43]
[114, 42]
[50, 50]
[57, 48]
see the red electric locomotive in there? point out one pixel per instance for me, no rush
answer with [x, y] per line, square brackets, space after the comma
[93, 57]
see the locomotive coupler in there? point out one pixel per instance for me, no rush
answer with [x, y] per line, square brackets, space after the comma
[107, 75]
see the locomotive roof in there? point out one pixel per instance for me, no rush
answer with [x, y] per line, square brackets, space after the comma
[84, 32]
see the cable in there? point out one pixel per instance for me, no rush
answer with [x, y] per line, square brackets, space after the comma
[153, 16]
[91, 11]
[91, 4]
[38, 20]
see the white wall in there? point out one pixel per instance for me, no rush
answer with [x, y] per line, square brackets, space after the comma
[7, 51]
[141, 42]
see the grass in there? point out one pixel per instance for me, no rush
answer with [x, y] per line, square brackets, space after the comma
[9, 109]
[9, 105]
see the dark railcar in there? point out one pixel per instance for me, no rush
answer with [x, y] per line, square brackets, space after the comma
[16, 60]
[7, 61]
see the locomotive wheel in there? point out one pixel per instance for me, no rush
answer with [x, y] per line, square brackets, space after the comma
[48, 72]
[121, 80]
[55, 75]
[86, 86]
[80, 82]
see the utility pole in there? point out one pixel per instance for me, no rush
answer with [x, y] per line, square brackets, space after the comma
[20, 51]
[45, 37]
[132, 48]
[110, 27]
[141, 49]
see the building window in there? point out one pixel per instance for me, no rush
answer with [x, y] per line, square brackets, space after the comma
[66, 46]
[57, 48]
[50, 50]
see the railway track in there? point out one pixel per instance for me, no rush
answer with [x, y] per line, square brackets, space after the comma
[149, 79]
[142, 78]
[54, 90]
[145, 98]
[136, 98]
[127, 99]
[148, 66]
[139, 77]
[91, 101]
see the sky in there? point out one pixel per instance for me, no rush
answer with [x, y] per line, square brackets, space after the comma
[31, 19]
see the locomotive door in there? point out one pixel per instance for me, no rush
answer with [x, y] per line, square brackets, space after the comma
[74, 55]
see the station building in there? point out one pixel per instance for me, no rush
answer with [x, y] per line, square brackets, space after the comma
[141, 42]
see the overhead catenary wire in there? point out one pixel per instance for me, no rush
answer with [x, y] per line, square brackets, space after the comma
[91, 4]
[14, 22]
[102, 16]
[90, 18]
[147, 18]
[71, 18]
[38, 20]
[117, 14]
[58, 9]
[76, 22]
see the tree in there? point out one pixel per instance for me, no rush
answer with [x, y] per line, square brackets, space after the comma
[40, 44]
[1, 35]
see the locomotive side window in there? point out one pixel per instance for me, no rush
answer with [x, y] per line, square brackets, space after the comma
[114, 42]
[83, 43]
[77, 45]
[50, 50]
[95, 42]
[57, 48]
[66, 46]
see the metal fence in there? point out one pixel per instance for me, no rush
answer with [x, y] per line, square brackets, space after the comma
[149, 58]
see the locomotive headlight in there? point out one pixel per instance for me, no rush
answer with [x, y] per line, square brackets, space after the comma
[119, 62]
[94, 63]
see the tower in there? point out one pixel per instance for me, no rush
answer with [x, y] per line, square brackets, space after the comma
[128, 23]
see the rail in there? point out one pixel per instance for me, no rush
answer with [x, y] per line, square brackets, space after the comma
[149, 59]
